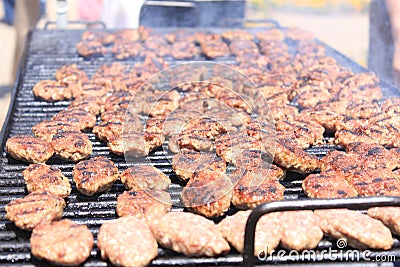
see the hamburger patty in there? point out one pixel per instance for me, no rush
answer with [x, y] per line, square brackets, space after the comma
[360, 230]
[95, 175]
[92, 104]
[68, 74]
[249, 159]
[375, 156]
[47, 129]
[210, 196]
[90, 48]
[148, 205]
[114, 128]
[175, 231]
[62, 242]
[329, 184]
[127, 241]
[257, 185]
[300, 230]
[144, 177]
[389, 216]
[79, 116]
[72, 145]
[137, 144]
[199, 134]
[375, 182]
[231, 145]
[50, 90]
[267, 236]
[186, 162]
[29, 148]
[41, 177]
[34, 209]
[291, 157]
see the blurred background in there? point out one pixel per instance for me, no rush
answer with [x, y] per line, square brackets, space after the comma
[342, 24]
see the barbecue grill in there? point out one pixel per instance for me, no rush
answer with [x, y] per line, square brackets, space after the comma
[47, 51]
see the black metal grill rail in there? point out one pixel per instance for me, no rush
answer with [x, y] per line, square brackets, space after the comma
[47, 51]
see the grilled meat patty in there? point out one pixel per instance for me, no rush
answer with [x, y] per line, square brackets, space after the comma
[389, 216]
[198, 134]
[62, 242]
[50, 90]
[241, 47]
[88, 89]
[181, 35]
[47, 129]
[29, 148]
[129, 35]
[76, 115]
[125, 50]
[292, 157]
[341, 161]
[120, 100]
[72, 145]
[127, 241]
[95, 175]
[331, 184]
[34, 209]
[186, 162]
[257, 185]
[144, 177]
[149, 205]
[303, 129]
[270, 34]
[360, 230]
[161, 103]
[92, 104]
[214, 49]
[41, 177]
[249, 159]
[135, 144]
[375, 156]
[231, 145]
[362, 110]
[184, 50]
[267, 237]
[90, 48]
[236, 35]
[210, 196]
[175, 231]
[68, 74]
[309, 95]
[99, 36]
[300, 230]
[375, 182]
[113, 128]
[329, 114]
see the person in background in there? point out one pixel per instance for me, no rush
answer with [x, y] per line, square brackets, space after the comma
[9, 12]
[114, 13]
[384, 40]
[90, 9]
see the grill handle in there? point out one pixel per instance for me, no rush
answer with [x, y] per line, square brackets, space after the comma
[87, 24]
[307, 204]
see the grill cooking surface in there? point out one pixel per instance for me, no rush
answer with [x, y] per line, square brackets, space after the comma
[47, 52]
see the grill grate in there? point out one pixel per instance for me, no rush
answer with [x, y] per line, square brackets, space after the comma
[48, 51]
